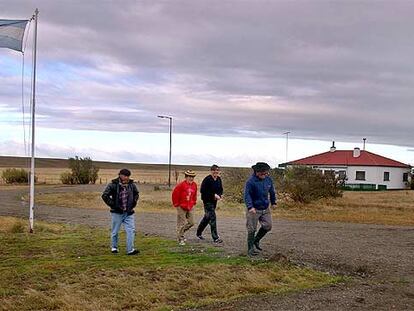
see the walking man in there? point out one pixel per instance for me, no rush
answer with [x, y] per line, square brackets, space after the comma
[211, 192]
[184, 197]
[121, 195]
[259, 187]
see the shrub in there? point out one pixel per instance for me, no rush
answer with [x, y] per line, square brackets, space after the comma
[234, 180]
[14, 175]
[304, 184]
[67, 178]
[83, 170]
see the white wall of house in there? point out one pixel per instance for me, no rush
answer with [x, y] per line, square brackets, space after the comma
[373, 175]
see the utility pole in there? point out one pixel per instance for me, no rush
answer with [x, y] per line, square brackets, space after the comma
[287, 144]
[169, 158]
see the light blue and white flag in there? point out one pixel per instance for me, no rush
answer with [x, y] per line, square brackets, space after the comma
[11, 34]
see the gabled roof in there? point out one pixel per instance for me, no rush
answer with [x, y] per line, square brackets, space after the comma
[345, 157]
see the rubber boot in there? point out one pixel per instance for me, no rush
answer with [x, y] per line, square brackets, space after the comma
[260, 234]
[250, 244]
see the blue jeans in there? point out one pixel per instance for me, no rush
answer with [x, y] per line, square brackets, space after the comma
[129, 226]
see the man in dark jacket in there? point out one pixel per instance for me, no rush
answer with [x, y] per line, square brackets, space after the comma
[211, 192]
[121, 195]
[256, 197]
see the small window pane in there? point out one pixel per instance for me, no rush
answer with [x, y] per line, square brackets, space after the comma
[386, 176]
[405, 177]
[360, 175]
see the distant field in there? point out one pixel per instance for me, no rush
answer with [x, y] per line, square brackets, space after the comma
[48, 171]
[388, 208]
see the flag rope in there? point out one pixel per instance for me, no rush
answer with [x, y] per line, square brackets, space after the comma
[25, 144]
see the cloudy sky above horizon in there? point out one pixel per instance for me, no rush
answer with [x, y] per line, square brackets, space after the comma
[234, 75]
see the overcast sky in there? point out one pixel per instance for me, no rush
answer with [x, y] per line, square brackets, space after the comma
[233, 74]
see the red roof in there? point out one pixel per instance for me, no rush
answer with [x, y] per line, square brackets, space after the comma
[345, 157]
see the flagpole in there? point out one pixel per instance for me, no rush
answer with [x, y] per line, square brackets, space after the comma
[32, 166]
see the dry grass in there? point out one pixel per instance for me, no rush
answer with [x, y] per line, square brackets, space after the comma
[69, 268]
[17, 225]
[388, 208]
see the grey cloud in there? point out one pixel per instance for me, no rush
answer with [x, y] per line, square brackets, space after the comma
[327, 70]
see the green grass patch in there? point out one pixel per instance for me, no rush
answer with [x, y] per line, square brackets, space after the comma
[68, 267]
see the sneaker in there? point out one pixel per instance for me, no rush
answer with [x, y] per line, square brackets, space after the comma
[257, 245]
[133, 252]
[182, 242]
[114, 250]
[218, 241]
[201, 237]
[252, 253]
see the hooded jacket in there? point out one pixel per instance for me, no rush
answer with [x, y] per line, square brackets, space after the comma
[111, 196]
[257, 192]
[185, 195]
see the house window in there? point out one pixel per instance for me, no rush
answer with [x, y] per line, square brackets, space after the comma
[405, 177]
[386, 176]
[342, 174]
[360, 175]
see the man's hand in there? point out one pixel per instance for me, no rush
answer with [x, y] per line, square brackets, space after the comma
[217, 197]
[274, 206]
[252, 210]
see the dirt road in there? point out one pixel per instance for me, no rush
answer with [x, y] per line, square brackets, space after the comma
[380, 259]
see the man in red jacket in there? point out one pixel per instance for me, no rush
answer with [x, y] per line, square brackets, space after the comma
[184, 197]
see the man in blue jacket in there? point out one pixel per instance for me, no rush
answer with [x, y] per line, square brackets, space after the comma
[259, 187]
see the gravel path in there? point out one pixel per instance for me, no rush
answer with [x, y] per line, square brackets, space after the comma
[380, 258]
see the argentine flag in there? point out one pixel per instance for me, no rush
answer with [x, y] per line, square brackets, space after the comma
[11, 33]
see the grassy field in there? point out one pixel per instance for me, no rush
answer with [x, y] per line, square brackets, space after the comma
[70, 268]
[389, 208]
[48, 171]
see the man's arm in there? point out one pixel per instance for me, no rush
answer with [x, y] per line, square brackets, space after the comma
[194, 198]
[247, 196]
[135, 192]
[107, 196]
[220, 192]
[176, 195]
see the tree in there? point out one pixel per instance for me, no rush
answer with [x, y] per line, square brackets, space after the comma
[83, 171]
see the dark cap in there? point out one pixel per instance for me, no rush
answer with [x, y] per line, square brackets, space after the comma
[261, 167]
[125, 172]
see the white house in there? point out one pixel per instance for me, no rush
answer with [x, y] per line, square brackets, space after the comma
[362, 169]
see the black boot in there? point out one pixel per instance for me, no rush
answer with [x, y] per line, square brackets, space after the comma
[250, 245]
[260, 234]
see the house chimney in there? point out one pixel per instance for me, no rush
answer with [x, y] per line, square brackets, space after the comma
[357, 152]
[333, 147]
[364, 139]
